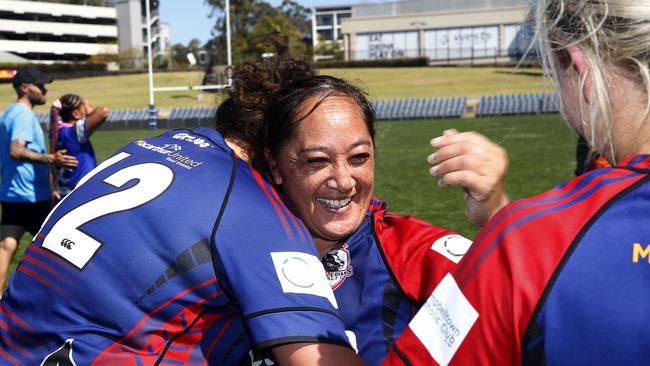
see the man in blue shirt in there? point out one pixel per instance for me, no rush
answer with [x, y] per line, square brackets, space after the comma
[25, 192]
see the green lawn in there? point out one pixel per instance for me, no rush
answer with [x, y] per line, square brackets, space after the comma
[131, 91]
[541, 151]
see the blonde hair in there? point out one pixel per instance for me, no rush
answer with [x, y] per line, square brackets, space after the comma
[609, 33]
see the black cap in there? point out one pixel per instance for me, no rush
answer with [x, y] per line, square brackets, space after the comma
[31, 75]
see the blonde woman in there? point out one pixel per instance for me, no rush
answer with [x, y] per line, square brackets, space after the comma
[563, 278]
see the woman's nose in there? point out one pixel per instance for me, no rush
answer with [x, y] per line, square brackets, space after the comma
[341, 179]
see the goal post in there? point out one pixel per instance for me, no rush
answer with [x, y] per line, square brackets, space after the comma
[153, 113]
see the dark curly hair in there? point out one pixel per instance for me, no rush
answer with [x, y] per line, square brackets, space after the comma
[254, 86]
[261, 111]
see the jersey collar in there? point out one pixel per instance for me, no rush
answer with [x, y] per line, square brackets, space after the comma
[640, 161]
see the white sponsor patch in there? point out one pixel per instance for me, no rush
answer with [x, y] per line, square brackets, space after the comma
[453, 247]
[302, 273]
[444, 321]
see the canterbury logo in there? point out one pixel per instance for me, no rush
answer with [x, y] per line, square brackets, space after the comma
[639, 253]
[67, 243]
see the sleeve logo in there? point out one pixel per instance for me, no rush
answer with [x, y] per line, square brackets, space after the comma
[302, 273]
[452, 247]
[444, 321]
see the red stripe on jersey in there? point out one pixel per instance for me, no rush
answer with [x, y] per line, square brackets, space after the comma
[50, 256]
[637, 162]
[16, 320]
[262, 184]
[43, 279]
[113, 348]
[11, 343]
[500, 227]
[190, 338]
[304, 235]
[208, 353]
[9, 357]
[44, 266]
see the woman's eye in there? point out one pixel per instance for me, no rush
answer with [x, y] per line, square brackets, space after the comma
[316, 161]
[359, 158]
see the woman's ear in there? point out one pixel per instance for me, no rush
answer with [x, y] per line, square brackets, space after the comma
[273, 167]
[580, 65]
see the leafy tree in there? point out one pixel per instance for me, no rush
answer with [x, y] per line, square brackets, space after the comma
[180, 51]
[331, 50]
[251, 21]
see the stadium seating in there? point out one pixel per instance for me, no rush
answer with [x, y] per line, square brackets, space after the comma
[396, 109]
[192, 117]
[509, 104]
[419, 108]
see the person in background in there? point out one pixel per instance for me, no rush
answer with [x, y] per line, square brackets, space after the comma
[72, 121]
[25, 193]
[563, 278]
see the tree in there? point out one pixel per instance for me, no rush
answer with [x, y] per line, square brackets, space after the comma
[180, 51]
[251, 21]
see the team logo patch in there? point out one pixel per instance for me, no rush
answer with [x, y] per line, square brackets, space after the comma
[453, 247]
[338, 266]
[444, 321]
[302, 273]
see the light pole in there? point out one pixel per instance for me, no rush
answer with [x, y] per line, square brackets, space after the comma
[153, 115]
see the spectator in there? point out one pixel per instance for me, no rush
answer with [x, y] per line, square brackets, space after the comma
[72, 121]
[25, 194]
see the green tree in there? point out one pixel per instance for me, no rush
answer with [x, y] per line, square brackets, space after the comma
[328, 50]
[251, 21]
[180, 51]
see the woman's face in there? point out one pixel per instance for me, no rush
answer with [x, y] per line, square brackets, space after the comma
[327, 168]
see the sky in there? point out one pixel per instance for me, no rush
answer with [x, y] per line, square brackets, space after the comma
[189, 18]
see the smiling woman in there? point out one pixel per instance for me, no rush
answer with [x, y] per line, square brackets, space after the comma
[334, 171]
[319, 145]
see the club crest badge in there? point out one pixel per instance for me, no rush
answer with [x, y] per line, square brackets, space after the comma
[338, 265]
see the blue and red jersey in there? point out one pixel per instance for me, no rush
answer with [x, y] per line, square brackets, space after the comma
[74, 138]
[172, 251]
[558, 279]
[373, 274]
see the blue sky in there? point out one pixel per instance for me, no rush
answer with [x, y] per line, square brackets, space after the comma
[189, 18]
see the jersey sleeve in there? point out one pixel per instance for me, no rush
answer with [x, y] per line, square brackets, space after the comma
[267, 262]
[80, 131]
[418, 253]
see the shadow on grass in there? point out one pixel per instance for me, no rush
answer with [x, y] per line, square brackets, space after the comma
[536, 74]
[182, 96]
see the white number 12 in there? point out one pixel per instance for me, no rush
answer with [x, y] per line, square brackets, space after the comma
[77, 247]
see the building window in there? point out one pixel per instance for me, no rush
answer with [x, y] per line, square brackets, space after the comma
[324, 19]
[342, 16]
[325, 34]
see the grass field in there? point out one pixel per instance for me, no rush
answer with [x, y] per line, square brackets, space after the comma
[131, 91]
[541, 151]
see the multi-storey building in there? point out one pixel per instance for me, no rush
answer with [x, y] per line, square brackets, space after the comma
[49, 31]
[446, 32]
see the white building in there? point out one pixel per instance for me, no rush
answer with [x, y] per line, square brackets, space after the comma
[326, 24]
[444, 31]
[49, 31]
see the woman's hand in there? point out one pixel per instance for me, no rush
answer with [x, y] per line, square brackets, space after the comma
[477, 164]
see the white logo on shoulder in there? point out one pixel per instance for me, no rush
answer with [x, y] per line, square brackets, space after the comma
[453, 247]
[444, 321]
[302, 273]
